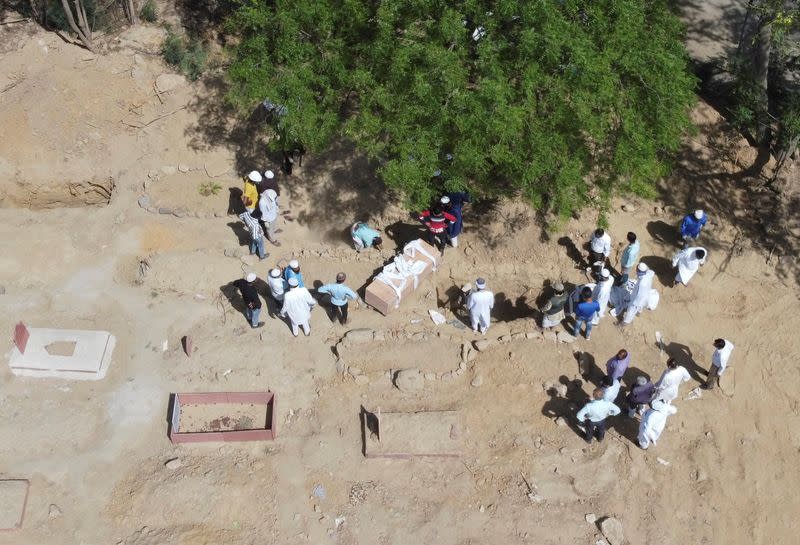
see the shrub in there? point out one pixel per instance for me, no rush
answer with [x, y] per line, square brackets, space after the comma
[207, 189]
[149, 12]
[190, 58]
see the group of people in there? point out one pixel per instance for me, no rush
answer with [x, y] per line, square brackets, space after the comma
[652, 401]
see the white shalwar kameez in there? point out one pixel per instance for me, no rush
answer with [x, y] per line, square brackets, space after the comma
[297, 304]
[601, 294]
[667, 385]
[480, 306]
[687, 264]
[653, 423]
[640, 296]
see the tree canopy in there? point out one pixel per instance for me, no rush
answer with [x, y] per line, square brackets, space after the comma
[564, 102]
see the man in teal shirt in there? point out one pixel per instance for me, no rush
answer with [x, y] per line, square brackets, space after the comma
[340, 293]
[630, 255]
[365, 237]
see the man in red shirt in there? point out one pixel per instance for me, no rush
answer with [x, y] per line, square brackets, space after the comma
[437, 223]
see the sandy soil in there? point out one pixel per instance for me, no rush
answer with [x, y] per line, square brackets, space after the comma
[724, 472]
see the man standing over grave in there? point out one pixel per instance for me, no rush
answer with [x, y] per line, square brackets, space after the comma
[617, 365]
[268, 206]
[480, 305]
[629, 255]
[256, 235]
[667, 386]
[454, 203]
[640, 395]
[599, 250]
[653, 423]
[293, 271]
[250, 192]
[252, 302]
[339, 294]
[593, 415]
[691, 226]
[297, 305]
[437, 223]
[641, 293]
[585, 312]
[688, 261]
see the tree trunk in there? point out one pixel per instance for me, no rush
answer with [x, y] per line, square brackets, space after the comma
[82, 29]
[131, 11]
[761, 58]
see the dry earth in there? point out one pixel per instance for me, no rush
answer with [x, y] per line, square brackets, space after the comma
[724, 472]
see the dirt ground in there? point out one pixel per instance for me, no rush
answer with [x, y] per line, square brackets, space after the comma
[155, 264]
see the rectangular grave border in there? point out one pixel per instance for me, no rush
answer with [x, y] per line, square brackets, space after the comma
[210, 398]
[376, 416]
[18, 524]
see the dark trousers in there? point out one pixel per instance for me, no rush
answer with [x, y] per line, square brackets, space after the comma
[713, 377]
[593, 429]
[439, 240]
[595, 257]
[341, 311]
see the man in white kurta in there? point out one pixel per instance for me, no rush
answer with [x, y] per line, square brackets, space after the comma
[653, 423]
[602, 293]
[667, 386]
[297, 304]
[641, 292]
[687, 262]
[480, 306]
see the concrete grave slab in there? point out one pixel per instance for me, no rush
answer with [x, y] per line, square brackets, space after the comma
[13, 500]
[63, 353]
[434, 434]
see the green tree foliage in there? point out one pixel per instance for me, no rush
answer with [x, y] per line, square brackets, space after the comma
[565, 102]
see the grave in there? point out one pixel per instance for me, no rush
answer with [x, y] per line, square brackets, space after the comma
[13, 500]
[61, 353]
[404, 435]
[222, 416]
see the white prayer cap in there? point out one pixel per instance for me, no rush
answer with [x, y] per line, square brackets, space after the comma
[294, 264]
[698, 214]
[251, 277]
[642, 267]
[275, 273]
[641, 381]
[293, 282]
[605, 273]
[558, 286]
[466, 287]
[445, 200]
[254, 176]
[480, 283]
[268, 174]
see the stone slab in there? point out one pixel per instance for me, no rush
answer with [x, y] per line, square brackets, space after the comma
[435, 434]
[13, 499]
[89, 360]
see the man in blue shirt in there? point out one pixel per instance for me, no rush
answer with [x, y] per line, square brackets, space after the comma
[691, 226]
[593, 415]
[584, 312]
[630, 254]
[293, 271]
[365, 237]
[339, 295]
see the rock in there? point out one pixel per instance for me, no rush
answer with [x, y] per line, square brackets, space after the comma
[465, 348]
[700, 475]
[482, 344]
[168, 82]
[379, 336]
[362, 380]
[173, 463]
[430, 376]
[504, 339]
[55, 511]
[184, 168]
[550, 336]
[341, 367]
[179, 213]
[216, 166]
[565, 337]
[359, 336]
[591, 518]
[458, 371]
[657, 210]
[612, 531]
[561, 421]
[462, 366]
[144, 201]
[534, 335]
[409, 380]
[233, 252]
[517, 336]
[477, 381]
[561, 390]
[355, 371]
[627, 207]
[168, 169]
[165, 211]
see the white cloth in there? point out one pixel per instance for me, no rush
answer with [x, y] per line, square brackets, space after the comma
[639, 296]
[610, 393]
[653, 423]
[397, 273]
[277, 287]
[268, 205]
[480, 305]
[602, 294]
[601, 245]
[687, 264]
[721, 356]
[297, 304]
[667, 385]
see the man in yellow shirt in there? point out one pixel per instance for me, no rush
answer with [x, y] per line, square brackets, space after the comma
[250, 194]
